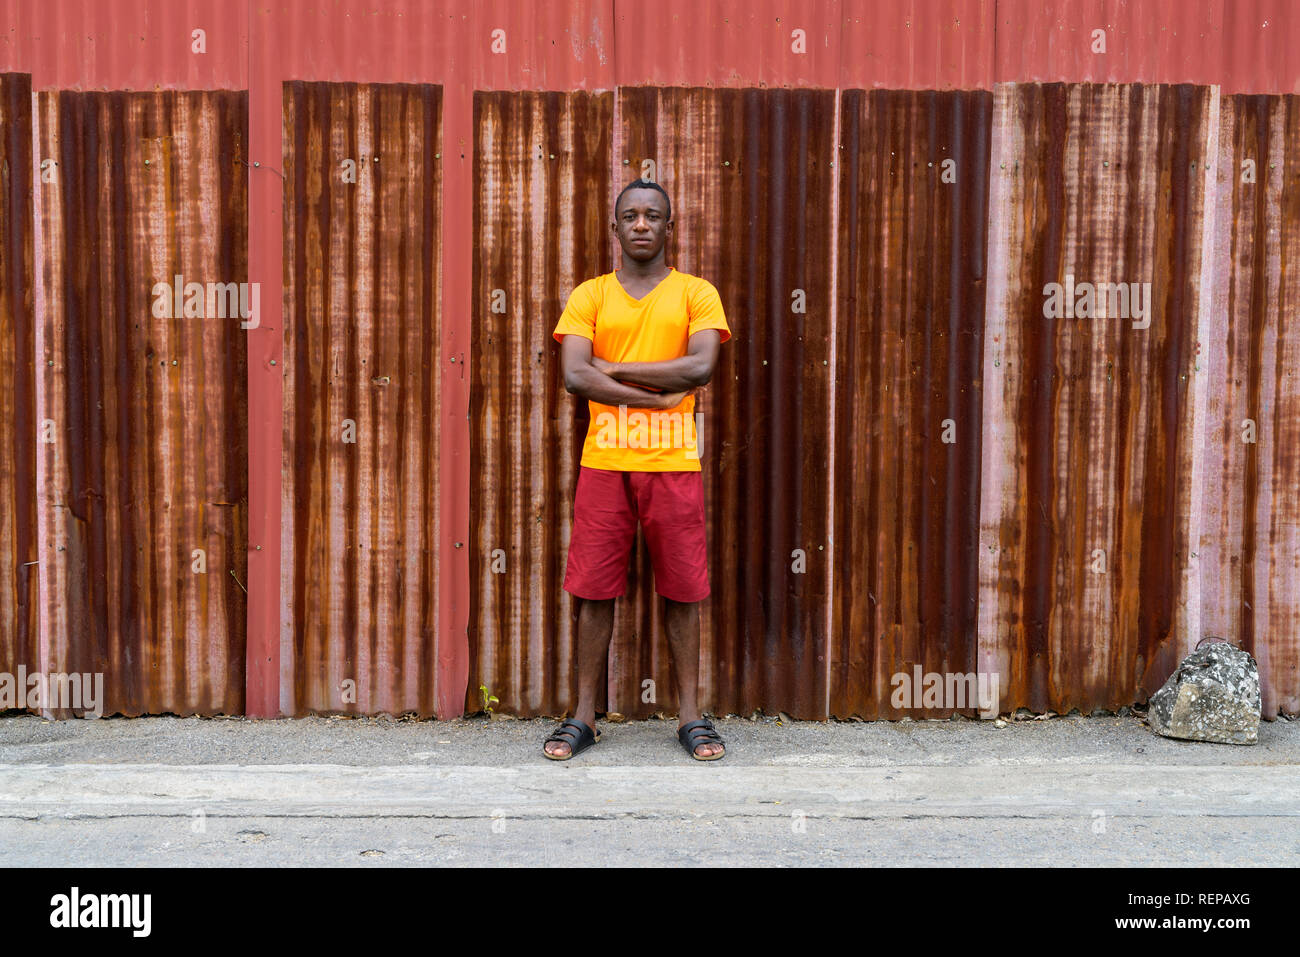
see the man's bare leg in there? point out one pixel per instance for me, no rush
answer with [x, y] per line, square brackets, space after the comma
[683, 623]
[595, 628]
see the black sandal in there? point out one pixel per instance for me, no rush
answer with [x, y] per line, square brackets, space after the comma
[578, 736]
[700, 732]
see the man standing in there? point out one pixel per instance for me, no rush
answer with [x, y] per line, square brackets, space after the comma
[636, 343]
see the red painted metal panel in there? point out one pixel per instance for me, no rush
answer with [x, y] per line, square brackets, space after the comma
[268, 691]
[464, 44]
[143, 475]
[727, 43]
[918, 45]
[362, 370]
[18, 515]
[1245, 46]
[126, 44]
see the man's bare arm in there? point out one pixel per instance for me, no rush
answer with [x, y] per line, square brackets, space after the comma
[582, 378]
[690, 371]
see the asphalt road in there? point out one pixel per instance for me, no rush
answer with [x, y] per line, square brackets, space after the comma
[379, 792]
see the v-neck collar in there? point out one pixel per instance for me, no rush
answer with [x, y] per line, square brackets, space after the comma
[671, 270]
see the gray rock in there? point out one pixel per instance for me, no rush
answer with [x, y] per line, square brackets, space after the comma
[1212, 696]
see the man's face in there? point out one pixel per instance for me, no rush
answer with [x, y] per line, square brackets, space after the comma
[642, 224]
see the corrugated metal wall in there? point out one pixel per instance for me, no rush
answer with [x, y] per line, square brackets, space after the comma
[970, 484]
[143, 465]
[362, 365]
[1087, 477]
[911, 235]
[19, 574]
[540, 185]
[751, 179]
[1250, 506]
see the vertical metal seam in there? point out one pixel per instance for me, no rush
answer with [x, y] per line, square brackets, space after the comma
[836, 172]
[263, 638]
[45, 514]
[1200, 382]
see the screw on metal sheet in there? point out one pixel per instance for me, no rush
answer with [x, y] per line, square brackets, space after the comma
[1105, 162]
[453, 358]
[552, 156]
[627, 162]
[174, 362]
[272, 362]
[259, 548]
[376, 159]
[437, 156]
[764, 362]
[146, 162]
[50, 362]
[256, 163]
[824, 362]
[459, 544]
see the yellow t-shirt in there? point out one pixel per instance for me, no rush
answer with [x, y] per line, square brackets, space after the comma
[654, 328]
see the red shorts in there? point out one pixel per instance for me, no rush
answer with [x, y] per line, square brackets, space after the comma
[670, 506]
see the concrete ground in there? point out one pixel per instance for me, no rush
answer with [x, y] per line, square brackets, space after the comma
[375, 791]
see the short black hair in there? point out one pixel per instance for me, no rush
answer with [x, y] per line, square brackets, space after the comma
[639, 183]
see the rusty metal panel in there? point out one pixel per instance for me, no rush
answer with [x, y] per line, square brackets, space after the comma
[913, 215]
[18, 546]
[363, 365]
[1250, 516]
[542, 208]
[143, 464]
[719, 153]
[1088, 449]
[750, 175]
